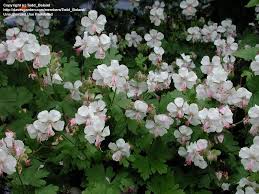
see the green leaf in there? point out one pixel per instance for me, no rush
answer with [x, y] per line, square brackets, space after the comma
[49, 189]
[164, 185]
[252, 84]
[229, 144]
[32, 176]
[112, 54]
[247, 53]
[248, 38]
[141, 163]
[11, 99]
[3, 79]
[71, 70]
[252, 3]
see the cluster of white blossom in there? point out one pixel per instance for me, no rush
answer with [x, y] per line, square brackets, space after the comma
[183, 134]
[22, 46]
[253, 114]
[43, 128]
[214, 119]
[211, 31]
[91, 43]
[246, 186]
[160, 124]
[119, 149]
[133, 39]
[11, 150]
[139, 110]
[185, 61]
[157, 13]
[180, 109]
[189, 7]
[250, 156]
[93, 116]
[160, 79]
[255, 65]
[194, 153]
[184, 79]
[156, 56]
[154, 38]
[218, 87]
[25, 23]
[114, 76]
[42, 26]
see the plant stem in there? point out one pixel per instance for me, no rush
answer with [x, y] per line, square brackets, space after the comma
[113, 97]
[20, 180]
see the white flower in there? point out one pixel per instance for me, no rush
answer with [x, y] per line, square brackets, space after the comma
[228, 63]
[184, 79]
[114, 40]
[226, 47]
[119, 149]
[156, 56]
[247, 187]
[40, 55]
[240, 98]
[188, 7]
[186, 62]
[96, 132]
[133, 39]
[255, 65]
[43, 127]
[7, 163]
[193, 153]
[158, 80]
[226, 116]
[217, 75]
[250, 156]
[177, 108]
[209, 32]
[26, 23]
[104, 45]
[43, 25]
[11, 146]
[253, 114]
[159, 126]
[192, 114]
[139, 111]
[93, 23]
[12, 33]
[227, 28]
[114, 76]
[194, 34]
[74, 89]
[183, 135]
[3, 51]
[157, 13]
[158, 4]
[89, 44]
[207, 66]
[211, 120]
[225, 186]
[154, 38]
[135, 88]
